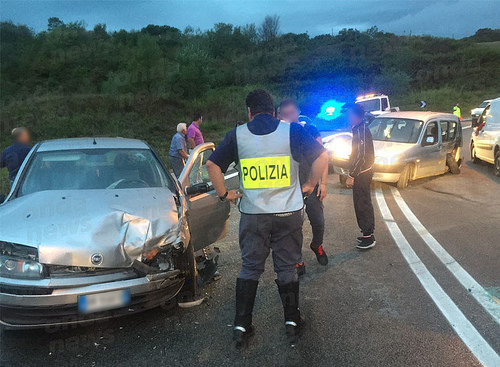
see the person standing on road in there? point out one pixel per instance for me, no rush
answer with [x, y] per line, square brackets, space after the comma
[194, 135]
[289, 112]
[457, 112]
[268, 153]
[13, 156]
[361, 175]
[178, 153]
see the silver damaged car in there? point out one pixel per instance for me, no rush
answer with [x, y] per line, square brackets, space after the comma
[97, 228]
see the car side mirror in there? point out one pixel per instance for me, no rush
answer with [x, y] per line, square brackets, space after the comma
[429, 140]
[196, 189]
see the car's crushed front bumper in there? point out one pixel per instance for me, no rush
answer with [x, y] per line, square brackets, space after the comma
[31, 306]
[382, 172]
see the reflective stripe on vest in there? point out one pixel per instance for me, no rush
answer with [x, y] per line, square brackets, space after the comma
[269, 176]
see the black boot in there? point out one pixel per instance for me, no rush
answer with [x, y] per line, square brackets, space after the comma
[246, 290]
[294, 321]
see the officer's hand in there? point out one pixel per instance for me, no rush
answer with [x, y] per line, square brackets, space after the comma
[350, 182]
[232, 195]
[307, 188]
[322, 191]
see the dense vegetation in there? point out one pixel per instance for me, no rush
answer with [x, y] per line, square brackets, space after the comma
[69, 81]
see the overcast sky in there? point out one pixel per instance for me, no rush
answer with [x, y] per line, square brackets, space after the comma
[456, 18]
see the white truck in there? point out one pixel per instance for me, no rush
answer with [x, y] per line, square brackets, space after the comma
[376, 103]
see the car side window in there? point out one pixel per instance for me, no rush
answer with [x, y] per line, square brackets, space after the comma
[431, 130]
[444, 131]
[199, 172]
[483, 119]
[385, 104]
[452, 130]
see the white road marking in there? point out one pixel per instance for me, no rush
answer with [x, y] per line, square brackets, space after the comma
[231, 175]
[226, 177]
[462, 326]
[476, 290]
[466, 127]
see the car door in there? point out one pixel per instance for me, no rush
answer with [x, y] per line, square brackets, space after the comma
[433, 156]
[207, 215]
[485, 140]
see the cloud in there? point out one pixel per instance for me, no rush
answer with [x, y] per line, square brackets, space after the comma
[441, 18]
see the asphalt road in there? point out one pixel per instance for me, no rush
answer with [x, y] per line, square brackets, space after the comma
[427, 295]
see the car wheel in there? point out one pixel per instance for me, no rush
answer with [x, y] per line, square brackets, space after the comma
[497, 163]
[343, 180]
[186, 263]
[473, 157]
[452, 164]
[404, 178]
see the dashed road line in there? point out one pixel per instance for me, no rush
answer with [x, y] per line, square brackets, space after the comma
[462, 326]
[481, 295]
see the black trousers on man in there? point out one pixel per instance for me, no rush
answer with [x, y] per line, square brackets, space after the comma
[314, 210]
[362, 198]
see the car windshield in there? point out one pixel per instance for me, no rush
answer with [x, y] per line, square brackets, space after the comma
[94, 169]
[396, 129]
[484, 104]
[370, 105]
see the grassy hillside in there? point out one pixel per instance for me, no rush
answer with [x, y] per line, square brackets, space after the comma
[70, 81]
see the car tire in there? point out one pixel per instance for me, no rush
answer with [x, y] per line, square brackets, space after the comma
[404, 178]
[497, 163]
[186, 263]
[330, 168]
[452, 164]
[473, 157]
[343, 181]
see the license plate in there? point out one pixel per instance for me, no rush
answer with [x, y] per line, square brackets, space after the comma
[103, 301]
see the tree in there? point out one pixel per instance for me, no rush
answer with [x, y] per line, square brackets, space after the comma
[270, 28]
[54, 22]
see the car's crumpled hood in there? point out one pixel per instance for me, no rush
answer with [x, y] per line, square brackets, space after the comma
[68, 227]
[477, 111]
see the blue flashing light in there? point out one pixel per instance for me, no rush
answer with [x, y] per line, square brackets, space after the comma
[330, 110]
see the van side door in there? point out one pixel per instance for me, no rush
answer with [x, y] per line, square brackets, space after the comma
[433, 157]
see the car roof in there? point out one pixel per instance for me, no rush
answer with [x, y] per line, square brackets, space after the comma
[418, 115]
[91, 143]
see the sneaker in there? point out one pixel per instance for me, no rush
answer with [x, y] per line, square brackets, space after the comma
[301, 268]
[241, 336]
[320, 254]
[294, 330]
[366, 242]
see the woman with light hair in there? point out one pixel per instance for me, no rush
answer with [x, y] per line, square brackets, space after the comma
[178, 149]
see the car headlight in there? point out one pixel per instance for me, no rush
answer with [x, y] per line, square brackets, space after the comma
[387, 160]
[20, 268]
[339, 148]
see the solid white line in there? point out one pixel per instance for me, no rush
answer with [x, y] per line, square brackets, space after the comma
[231, 175]
[462, 326]
[469, 283]
[466, 127]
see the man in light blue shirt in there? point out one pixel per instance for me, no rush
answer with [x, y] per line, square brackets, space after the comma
[178, 149]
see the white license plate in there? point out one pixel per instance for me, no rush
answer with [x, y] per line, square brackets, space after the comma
[103, 301]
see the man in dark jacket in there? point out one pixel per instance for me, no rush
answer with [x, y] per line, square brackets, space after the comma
[13, 156]
[361, 174]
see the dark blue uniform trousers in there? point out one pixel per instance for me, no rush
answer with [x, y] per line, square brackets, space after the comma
[261, 233]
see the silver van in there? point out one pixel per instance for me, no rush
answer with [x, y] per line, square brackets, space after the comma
[408, 146]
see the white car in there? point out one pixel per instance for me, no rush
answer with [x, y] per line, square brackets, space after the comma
[476, 112]
[485, 142]
[376, 104]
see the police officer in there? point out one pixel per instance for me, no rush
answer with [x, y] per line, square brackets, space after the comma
[268, 153]
[457, 112]
[289, 112]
